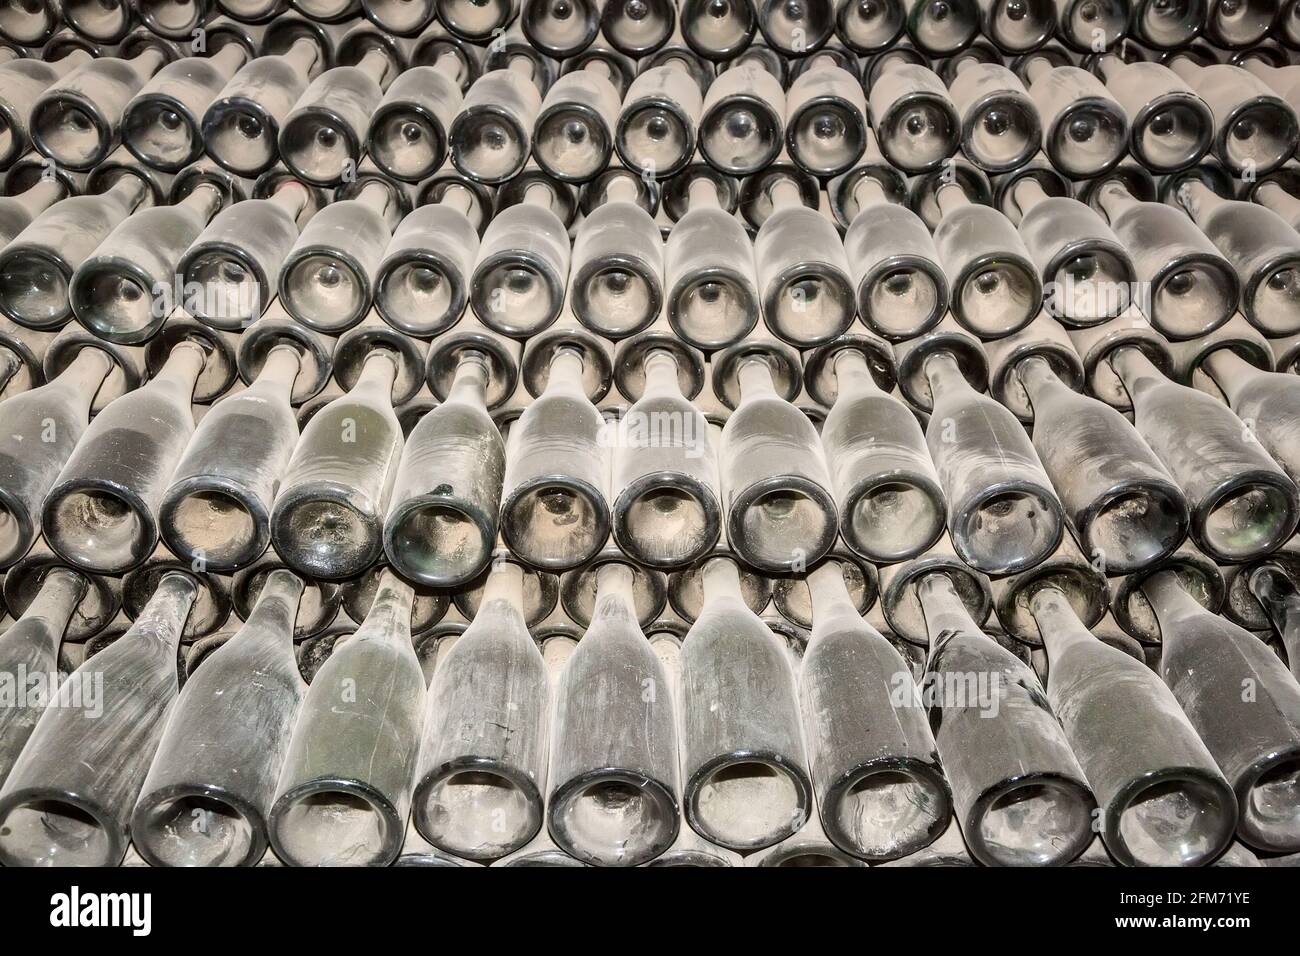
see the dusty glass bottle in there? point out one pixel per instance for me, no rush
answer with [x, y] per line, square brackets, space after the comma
[490, 138]
[1170, 127]
[742, 122]
[407, 134]
[573, 136]
[657, 123]
[345, 790]
[913, 116]
[1000, 128]
[1085, 129]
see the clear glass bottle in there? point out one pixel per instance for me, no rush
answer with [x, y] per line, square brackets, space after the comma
[1242, 503]
[161, 126]
[23, 82]
[327, 280]
[718, 29]
[324, 135]
[102, 512]
[1275, 196]
[656, 130]
[442, 521]
[1162, 800]
[1276, 591]
[881, 792]
[328, 516]
[484, 753]
[345, 789]
[745, 778]
[209, 789]
[901, 288]
[1263, 249]
[560, 28]
[742, 123]
[229, 272]
[710, 271]
[1085, 129]
[68, 799]
[1123, 505]
[42, 427]
[614, 764]
[667, 508]
[996, 289]
[1019, 792]
[490, 138]
[1184, 285]
[1087, 273]
[826, 125]
[1000, 129]
[803, 273]
[519, 279]
[241, 127]
[1268, 403]
[942, 27]
[573, 136]
[1167, 24]
[779, 510]
[126, 288]
[914, 119]
[76, 121]
[891, 505]
[1242, 701]
[37, 266]
[217, 507]
[407, 135]
[617, 285]
[1170, 127]
[1087, 25]
[554, 510]
[637, 28]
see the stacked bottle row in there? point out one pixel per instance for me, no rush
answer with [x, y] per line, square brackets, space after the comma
[716, 29]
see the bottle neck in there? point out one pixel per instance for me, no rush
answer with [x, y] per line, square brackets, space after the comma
[70, 61]
[702, 194]
[1114, 198]
[1230, 372]
[523, 66]
[469, 384]
[1135, 371]
[1275, 590]
[869, 192]
[1058, 625]
[784, 194]
[1027, 193]
[755, 377]
[377, 375]
[1170, 602]
[505, 582]
[276, 609]
[660, 367]
[205, 201]
[1037, 68]
[853, 377]
[184, 364]
[950, 197]
[302, 56]
[1198, 199]
[127, 193]
[10, 363]
[1274, 197]
[720, 579]
[147, 62]
[944, 611]
[1109, 66]
[1185, 67]
[945, 376]
[621, 189]
[41, 196]
[229, 59]
[85, 374]
[566, 370]
[163, 618]
[292, 197]
[539, 194]
[57, 600]
[390, 614]
[450, 66]
[280, 372]
[615, 591]
[461, 199]
[828, 592]
[375, 195]
[1038, 379]
[376, 64]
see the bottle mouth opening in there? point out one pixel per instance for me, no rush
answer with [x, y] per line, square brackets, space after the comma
[196, 829]
[477, 814]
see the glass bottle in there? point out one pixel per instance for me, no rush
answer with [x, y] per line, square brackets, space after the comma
[1003, 513]
[1088, 25]
[229, 272]
[1242, 503]
[1263, 249]
[209, 789]
[560, 28]
[518, 284]
[996, 289]
[407, 135]
[102, 513]
[554, 510]
[614, 772]
[327, 279]
[37, 266]
[217, 507]
[710, 272]
[718, 29]
[161, 124]
[491, 136]
[1000, 129]
[1018, 26]
[345, 790]
[667, 502]
[328, 516]
[1274, 196]
[746, 783]
[637, 28]
[1242, 701]
[1268, 404]
[126, 288]
[442, 522]
[241, 127]
[1085, 129]
[1184, 285]
[23, 82]
[76, 121]
[881, 792]
[1019, 792]
[656, 130]
[826, 125]
[891, 505]
[573, 136]
[803, 272]
[1166, 25]
[399, 17]
[1162, 800]
[912, 114]
[1170, 127]
[779, 511]
[942, 27]
[1276, 591]
[901, 288]
[68, 799]
[323, 136]
[742, 123]
[1087, 273]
